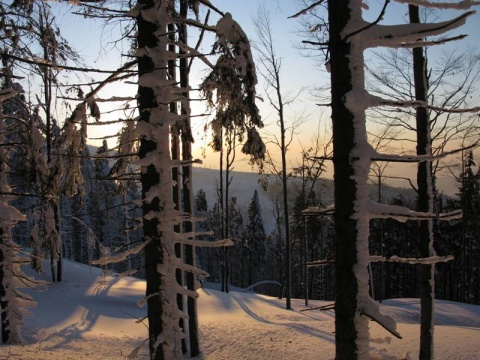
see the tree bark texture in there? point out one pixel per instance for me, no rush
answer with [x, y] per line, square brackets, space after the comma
[424, 183]
[345, 189]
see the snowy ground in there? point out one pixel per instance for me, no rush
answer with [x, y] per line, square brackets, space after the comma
[93, 317]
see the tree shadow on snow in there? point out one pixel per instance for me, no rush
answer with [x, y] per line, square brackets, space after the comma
[300, 327]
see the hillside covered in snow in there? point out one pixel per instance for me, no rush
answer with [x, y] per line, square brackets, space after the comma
[93, 316]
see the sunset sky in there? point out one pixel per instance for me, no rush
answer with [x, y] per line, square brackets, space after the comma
[96, 45]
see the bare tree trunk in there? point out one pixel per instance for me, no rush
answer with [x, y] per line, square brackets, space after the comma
[345, 189]
[222, 218]
[288, 294]
[187, 187]
[424, 202]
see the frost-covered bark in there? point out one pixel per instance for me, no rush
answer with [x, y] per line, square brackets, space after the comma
[154, 96]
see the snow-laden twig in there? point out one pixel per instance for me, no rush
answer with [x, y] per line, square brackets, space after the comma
[316, 263]
[396, 35]
[402, 214]
[413, 261]
[191, 269]
[383, 320]
[418, 104]
[108, 259]
[419, 158]
[317, 210]
[194, 23]
[460, 5]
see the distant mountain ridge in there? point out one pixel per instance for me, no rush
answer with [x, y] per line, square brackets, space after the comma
[244, 184]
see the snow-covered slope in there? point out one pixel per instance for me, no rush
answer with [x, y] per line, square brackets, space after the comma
[91, 316]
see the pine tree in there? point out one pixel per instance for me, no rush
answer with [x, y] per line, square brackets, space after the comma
[255, 241]
[469, 193]
[235, 230]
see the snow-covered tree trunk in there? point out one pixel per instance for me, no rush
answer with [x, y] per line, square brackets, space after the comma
[154, 96]
[348, 135]
[350, 35]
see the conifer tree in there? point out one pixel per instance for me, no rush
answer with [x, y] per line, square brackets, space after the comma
[255, 240]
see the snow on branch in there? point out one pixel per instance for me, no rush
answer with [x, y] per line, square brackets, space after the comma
[115, 258]
[426, 43]
[206, 243]
[183, 291]
[413, 261]
[419, 158]
[186, 238]
[316, 210]
[191, 269]
[397, 35]
[208, 4]
[178, 163]
[421, 104]
[194, 23]
[460, 5]
[316, 263]
[191, 52]
[402, 214]
[384, 321]
[191, 234]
